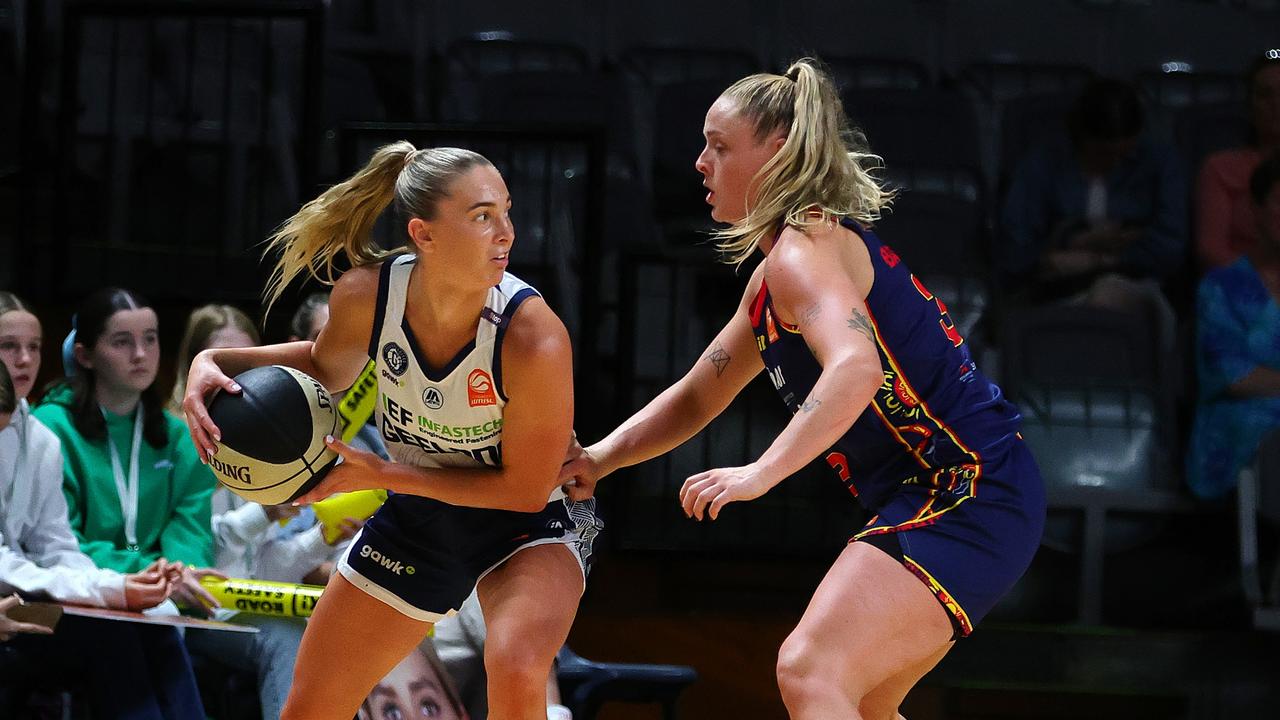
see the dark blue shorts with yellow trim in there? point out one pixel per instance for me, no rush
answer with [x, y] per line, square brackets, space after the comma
[968, 532]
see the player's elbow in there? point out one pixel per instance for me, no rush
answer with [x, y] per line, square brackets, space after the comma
[863, 378]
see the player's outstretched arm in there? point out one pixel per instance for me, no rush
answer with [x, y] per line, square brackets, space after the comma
[680, 411]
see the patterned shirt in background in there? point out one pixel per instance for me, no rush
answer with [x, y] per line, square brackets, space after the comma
[1239, 330]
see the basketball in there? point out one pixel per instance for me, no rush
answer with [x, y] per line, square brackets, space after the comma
[272, 447]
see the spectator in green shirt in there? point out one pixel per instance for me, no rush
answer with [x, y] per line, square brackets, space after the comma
[136, 490]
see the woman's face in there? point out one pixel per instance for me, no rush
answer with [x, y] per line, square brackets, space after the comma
[1265, 103]
[471, 233]
[20, 341]
[127, 354]
[731, 159]
[411, 691]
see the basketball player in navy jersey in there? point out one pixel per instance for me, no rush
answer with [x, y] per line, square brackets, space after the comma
[475, 406]
[879, 383]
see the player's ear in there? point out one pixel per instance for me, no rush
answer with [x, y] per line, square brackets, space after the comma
[420, 235]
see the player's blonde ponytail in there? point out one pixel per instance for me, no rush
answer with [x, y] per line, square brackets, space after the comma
[823, 170]
[341, 220]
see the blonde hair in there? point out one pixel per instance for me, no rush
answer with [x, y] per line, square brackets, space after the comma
[202, 323]
[823, 171]
[341, 219]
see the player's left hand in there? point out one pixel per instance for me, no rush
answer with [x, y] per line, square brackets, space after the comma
[356, 470]
[708, 492]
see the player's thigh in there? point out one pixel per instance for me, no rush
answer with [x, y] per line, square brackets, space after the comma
[351, 642]
[530, 600]
[869, 620]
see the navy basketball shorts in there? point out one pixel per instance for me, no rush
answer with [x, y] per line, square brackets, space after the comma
[423, 557]
[968, 532]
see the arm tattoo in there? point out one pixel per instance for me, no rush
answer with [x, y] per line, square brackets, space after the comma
[719, 358]
[810, 314]
[860, 322]
[810, 405]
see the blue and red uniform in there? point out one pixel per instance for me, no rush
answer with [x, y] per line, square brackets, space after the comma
[957, 496]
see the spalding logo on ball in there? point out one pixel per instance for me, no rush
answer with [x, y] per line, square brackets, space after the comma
[272, 447]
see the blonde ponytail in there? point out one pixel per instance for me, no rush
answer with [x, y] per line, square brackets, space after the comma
[341, 220]
[823, 171]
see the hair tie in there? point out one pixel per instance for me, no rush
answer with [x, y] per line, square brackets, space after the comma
[793, 74]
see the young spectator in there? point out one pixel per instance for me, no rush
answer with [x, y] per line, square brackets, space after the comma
[135, 489]
[133, 671]
[1238, 357]
[1225, 225]
[210, 326]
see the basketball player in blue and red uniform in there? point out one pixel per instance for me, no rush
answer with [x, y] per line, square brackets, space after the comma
[475, 404]
[879, 383]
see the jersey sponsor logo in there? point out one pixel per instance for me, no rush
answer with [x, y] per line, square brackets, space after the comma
[488, 314]
[480, 389]
[396, 358]
[394, 412]
[489, 455]
[433, 398]
[390, 378]
[394, 566]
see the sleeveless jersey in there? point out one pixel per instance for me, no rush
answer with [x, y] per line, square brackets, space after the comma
[450, 416]
[935, 414]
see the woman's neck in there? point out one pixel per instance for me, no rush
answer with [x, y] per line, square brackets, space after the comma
[115, 400]
[441, 304]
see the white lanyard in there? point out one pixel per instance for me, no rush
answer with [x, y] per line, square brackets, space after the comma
[128, 491]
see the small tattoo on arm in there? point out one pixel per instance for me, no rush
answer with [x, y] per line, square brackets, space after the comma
[860, 322]
[719, 358]
[810, 404]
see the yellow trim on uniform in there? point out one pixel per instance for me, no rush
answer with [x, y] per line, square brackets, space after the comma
[949, 602]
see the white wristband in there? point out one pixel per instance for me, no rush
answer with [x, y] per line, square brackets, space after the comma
[558, 712]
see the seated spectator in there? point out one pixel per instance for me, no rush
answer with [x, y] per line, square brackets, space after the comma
[1225, 225]
[1097, 216]
[211, 326]
[136, 490]
[249, 541]
[1238, 355]
[133, 671]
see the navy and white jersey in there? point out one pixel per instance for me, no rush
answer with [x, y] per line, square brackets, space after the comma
[420, 555]
[448, 417]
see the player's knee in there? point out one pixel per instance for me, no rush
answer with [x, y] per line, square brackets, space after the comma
[807, 671]
[515, 664]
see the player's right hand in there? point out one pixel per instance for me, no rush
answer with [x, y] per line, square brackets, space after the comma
[205, 377]
[579, 473]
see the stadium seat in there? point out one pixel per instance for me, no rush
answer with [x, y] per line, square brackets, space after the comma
[586, 685]
[1258, 499]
